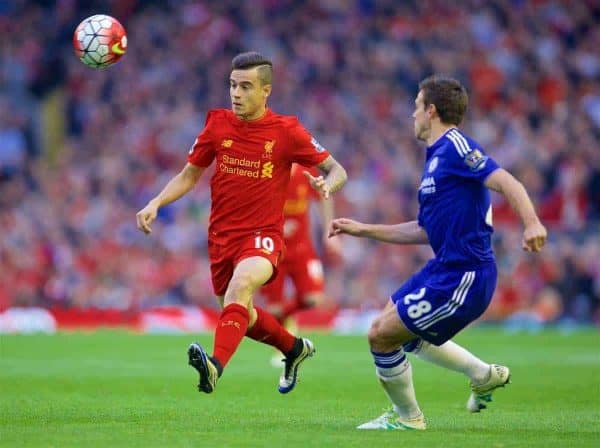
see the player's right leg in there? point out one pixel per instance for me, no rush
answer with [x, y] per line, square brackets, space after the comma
[208, 368]
[244, 279]
[221, 266]
[386, 337]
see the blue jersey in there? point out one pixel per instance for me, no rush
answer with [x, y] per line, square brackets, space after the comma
[454, 204]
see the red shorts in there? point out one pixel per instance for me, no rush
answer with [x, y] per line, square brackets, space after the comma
[306, 273]
[225, 253]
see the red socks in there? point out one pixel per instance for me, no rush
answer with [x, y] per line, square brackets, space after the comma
[232, 327]
[230, 330]
[269, 331]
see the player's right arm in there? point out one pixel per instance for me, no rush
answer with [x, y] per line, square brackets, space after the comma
[200, 156]
[406, 233]
[177, 187]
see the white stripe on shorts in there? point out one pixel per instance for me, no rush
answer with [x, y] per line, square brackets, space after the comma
[455, 294]
[451, 312]
[458, 298]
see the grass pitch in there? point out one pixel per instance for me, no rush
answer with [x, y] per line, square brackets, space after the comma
[113, 389]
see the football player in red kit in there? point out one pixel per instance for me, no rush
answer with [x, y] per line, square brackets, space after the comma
[253, 150]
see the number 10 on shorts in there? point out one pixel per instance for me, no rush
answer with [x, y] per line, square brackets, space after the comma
[265, 243]
[416, 310]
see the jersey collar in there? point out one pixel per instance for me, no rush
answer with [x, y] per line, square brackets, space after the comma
[435, 145]
[258, 122]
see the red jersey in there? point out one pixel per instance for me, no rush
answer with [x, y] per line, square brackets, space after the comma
[296, 229]
[253, 163]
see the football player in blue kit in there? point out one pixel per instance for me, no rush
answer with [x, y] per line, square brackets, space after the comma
[456, 286]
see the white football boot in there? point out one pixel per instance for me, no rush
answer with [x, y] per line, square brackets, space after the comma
[390, 420]
[482, 393]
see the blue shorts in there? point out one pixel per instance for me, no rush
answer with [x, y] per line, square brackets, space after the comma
[437, 302]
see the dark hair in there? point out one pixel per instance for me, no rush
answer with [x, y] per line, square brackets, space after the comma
[251, 59]
[448, 95]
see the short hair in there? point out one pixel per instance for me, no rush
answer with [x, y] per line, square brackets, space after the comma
[251, 59]
[448, 95]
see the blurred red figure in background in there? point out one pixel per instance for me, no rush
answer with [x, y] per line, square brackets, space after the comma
[301, 263]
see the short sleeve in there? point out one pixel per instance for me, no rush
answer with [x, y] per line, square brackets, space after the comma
[203, 152]
[306, 150]
[471, 163]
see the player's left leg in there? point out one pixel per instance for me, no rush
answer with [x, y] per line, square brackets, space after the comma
[266, 329]
[453, 357]
[306, 274]
[386, 338]
[273, 292]
[483, 377]
[275, 303]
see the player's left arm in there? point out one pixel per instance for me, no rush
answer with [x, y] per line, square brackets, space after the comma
[334, 180]
[534, 235]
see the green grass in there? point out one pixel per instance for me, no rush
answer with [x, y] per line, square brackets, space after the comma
[113, 389]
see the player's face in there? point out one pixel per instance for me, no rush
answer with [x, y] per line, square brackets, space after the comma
[422, 118]
[248, 94]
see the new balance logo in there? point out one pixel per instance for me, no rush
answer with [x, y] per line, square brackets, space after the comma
[227, 143]
[230, 323]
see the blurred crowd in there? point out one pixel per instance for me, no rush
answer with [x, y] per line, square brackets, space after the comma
[82, 150]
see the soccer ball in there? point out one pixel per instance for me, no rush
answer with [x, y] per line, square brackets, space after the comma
[100, 41]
